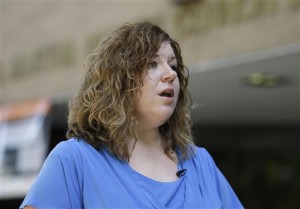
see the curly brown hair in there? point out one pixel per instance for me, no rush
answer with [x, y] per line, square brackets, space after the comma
[103, 111]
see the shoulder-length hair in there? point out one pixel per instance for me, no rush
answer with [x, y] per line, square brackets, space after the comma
[103, 111]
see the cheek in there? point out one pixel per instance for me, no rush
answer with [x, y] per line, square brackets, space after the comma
[144, 93]
[152, 75]
[177, 86]
[149, 84]
[137, 97]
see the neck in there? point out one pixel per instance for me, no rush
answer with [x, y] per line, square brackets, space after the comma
[149, 137]
[148, 157]
[149, 140]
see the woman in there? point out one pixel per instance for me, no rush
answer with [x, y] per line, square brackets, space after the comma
[129, 134]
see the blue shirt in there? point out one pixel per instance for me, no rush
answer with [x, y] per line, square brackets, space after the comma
[168, 193]
[76, 175]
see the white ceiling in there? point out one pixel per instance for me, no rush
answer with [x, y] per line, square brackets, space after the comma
[223, 95]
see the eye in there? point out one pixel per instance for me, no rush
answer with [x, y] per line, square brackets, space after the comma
[153, 64]
[174, 67]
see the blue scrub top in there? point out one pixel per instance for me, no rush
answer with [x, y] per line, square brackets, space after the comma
[76, 175]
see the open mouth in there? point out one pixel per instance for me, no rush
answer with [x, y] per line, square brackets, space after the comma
[167, 93]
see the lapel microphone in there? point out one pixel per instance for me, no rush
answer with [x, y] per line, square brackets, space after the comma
[180, 173]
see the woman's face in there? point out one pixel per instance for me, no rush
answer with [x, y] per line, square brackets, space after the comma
[158, 95]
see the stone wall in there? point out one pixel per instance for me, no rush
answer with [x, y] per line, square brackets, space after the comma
[44, 43]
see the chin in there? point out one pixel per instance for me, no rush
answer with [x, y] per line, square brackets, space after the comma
[165, 116]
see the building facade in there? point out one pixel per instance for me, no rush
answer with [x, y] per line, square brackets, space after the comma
[243, 57]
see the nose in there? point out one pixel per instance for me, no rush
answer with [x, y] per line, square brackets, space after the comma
[168, 75]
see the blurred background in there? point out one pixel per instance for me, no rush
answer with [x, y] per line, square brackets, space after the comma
[243, 57]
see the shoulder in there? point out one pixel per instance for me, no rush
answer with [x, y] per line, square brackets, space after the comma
[72, 148]
[200, 153]
[72, 156]
[78, 150]
[202, 160]
[203, 167]
[69, 144]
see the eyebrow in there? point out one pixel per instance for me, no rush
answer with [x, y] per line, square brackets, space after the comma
[170, 58]
[173, 58]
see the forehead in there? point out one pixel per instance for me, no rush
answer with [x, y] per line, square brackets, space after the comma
[166, 50]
